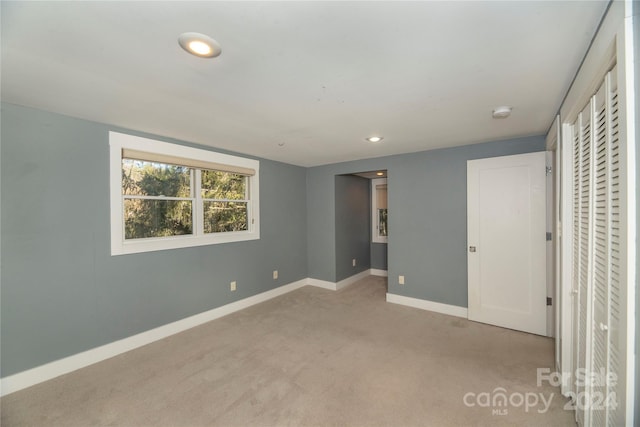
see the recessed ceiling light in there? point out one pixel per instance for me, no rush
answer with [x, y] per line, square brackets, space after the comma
[374, 139]
[199, 45]
[380, 173]
[199, 48]
[502, 112]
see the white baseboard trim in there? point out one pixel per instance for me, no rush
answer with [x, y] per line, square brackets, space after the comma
[451, 310]
[341, 284]
[377, 272]
[321, 284]
[349, 280]
[68, 364]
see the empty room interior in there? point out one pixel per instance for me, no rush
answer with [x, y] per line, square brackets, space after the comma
[319, 213]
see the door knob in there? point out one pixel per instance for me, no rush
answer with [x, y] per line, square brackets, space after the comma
[472, 248]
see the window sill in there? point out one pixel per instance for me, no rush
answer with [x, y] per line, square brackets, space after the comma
[177, 242]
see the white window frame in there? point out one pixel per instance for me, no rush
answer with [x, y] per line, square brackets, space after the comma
[120, 246]
[375, 238]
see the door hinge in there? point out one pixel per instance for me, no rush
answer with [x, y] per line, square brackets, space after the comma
[547, 170]
[549, 236]
[549, 301]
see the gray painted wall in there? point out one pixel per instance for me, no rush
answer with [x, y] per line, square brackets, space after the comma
[352, 224]
[379, 256]
[427, 217]
[62, 292]
[321, 261]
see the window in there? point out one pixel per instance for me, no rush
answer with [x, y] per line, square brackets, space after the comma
[166, 196]
[379, 210]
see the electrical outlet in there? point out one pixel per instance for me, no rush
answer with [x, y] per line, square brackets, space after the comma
[401, 280]
[353, 262]
[233, 286]
[275, 274]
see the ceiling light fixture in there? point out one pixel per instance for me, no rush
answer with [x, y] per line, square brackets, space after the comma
[502, 112]
[199, 45]
[380, 173]
[375, 139]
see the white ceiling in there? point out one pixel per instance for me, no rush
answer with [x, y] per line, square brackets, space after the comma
[317, 76]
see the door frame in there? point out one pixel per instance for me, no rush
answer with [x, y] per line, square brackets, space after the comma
[541, 158]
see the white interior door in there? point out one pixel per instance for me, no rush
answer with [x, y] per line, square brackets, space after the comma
[506, 236]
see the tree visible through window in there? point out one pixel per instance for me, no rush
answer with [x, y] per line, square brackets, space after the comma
[225, 201]
[382, 222]
[166, 196]
[158, 200]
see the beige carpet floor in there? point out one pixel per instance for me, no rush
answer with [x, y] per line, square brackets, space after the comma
[311, 357]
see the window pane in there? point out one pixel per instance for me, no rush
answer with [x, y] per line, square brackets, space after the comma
[382, 222]
[155, 179]
[223, 185]
[156, 218]
[381, 196]
[225, 216]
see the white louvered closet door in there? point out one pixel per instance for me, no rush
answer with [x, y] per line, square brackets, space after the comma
[582, 232]
[616, 332]
[598, 336]
[601, 246]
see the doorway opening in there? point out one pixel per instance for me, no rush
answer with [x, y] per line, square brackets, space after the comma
[362, 229]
